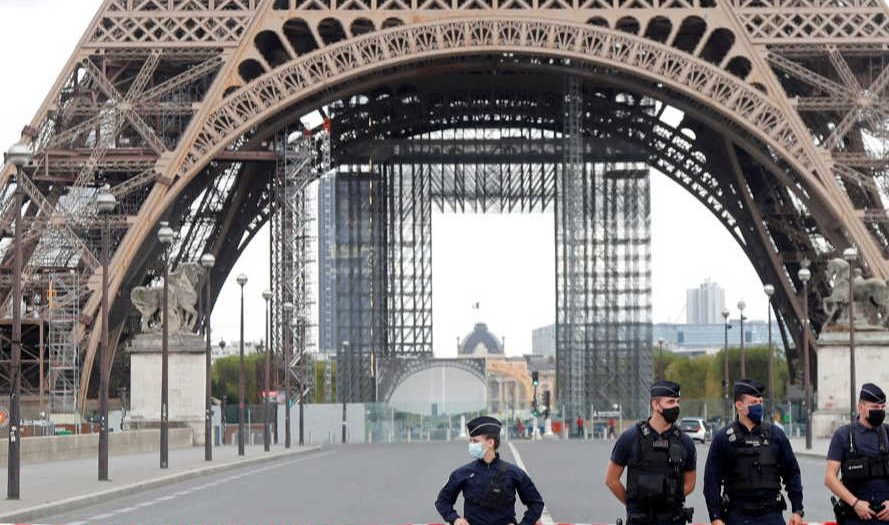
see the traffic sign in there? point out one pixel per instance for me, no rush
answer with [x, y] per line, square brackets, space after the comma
[4, 417]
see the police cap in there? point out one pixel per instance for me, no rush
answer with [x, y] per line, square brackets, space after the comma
[871, 392]
[483, 425]
[664, 389]
[751, 387]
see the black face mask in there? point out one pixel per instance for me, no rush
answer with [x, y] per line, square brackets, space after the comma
[876, 416]
[670, 414]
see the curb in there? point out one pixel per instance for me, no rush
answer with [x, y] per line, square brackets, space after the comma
[808, 454]
[79, 502]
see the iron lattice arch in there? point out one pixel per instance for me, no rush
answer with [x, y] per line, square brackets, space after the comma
[176, 102]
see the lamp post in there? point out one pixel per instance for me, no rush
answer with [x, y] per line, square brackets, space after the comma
[242, 387]
[207, 263]
[741, 306]
[266, 436]
[660, 359]
[851, 255]
[342, 382]
[18, 155]
[165, 235]
[769, 290]
[105, 204]
[804, 274]
[725, 379]
[298, 326]
[288, 345]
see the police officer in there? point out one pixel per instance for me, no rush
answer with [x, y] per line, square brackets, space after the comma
[660, 461]
[489, 484]
[748, 459]
[860, 452]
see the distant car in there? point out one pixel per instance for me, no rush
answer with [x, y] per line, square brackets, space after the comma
[695, 428]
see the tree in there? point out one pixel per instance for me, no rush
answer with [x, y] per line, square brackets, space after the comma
[225, 377]
[701, 376]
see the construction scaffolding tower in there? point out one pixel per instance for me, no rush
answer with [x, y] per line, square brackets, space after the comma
[63, 316]
[603, 323]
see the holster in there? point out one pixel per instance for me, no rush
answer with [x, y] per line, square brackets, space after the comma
[841, 510]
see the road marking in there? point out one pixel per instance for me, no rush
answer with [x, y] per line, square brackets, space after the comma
[545, 516]
[101, 516]
[205, 486]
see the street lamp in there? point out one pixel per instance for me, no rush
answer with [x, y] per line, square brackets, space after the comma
[266, 437]
[341, 383]
[298, 327]
[851, 255]
[660, 358]
[769, 290]
[288, 342]
[207, 263]
[242, 387]
[725, 314]
[741, 306]
[106, 202]
[18, 155]
[804, 274]
[165, 235]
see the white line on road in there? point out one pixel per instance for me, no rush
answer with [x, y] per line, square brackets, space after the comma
[545, 517]
[204, 487]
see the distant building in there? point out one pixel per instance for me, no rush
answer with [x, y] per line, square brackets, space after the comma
[480, 342]
[543, 341]
[226, 349]
[698, 338]
[705, 304]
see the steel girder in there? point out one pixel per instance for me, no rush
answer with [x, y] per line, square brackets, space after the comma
[140, 65]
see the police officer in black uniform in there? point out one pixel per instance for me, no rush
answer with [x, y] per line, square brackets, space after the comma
[489, 484]
[860, 453]
[748, 459]
[660, 461]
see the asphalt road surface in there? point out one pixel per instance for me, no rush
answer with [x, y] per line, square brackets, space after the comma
[385, 484]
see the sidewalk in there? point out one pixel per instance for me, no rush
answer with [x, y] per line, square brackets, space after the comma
[50, 488]
[819, 447]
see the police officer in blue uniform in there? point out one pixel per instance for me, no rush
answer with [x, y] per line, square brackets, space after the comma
[660, 461]
[748, 459]
[859, 453]
[489, 484]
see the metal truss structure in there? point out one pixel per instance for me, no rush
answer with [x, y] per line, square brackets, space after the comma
[177, 105]
[394, 371]
[293, 248]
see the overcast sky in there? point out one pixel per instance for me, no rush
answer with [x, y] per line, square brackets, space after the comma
[505, 263]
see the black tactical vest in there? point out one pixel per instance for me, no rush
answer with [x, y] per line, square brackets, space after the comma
[858, 468]
[655, 476]
[753, 465]
[498, 494]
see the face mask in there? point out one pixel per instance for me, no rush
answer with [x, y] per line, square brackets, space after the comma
[754, 412]
[876, 416]
[670, 414]
[477, 450]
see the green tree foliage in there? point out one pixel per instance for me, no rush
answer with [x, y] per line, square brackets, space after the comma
[225, 377]
[320, 380]
[701, 376]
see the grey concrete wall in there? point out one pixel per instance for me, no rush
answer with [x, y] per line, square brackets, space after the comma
[84, 446]
[324, 423]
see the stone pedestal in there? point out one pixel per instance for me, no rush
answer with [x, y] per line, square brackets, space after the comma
[186, 384]
[871, 366]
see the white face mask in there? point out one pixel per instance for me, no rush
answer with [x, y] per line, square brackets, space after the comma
[476, 450]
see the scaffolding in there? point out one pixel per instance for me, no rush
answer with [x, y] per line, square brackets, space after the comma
[293, 254]
[603, 313]
[63, 317]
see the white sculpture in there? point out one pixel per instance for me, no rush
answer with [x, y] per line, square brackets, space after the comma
[182, 297]
[871, 296]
